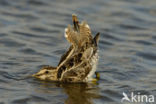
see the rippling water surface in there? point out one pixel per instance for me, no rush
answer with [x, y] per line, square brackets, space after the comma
[32, 35]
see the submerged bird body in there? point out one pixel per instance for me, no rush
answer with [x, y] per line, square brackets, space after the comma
[78, 64]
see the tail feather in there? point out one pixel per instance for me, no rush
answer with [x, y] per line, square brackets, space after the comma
[79, 34]
[71, 36]
[85, 29]
[75, 23]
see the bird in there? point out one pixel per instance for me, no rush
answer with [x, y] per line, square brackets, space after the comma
[78, 63]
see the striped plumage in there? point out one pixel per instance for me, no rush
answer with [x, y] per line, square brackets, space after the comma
[78, 64]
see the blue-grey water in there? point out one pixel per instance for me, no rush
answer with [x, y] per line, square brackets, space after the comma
[32, 35]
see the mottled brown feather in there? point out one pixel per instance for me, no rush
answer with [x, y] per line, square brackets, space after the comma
[77, 63]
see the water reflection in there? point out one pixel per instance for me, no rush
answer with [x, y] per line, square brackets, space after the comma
[77, 93]
[80, 93]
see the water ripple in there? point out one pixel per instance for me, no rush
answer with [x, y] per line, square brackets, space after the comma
[30, 35]
[4, 3]
[144, 42]
[29, 51]
[148, 56]
[36, 2]
[23, 16]
[132, 27]
[28, 99]
[3, 34]
[10, 43]
[40, 29]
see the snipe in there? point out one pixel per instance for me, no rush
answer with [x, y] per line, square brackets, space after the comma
[78, 64]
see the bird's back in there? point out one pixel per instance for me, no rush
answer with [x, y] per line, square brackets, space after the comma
[78, 63]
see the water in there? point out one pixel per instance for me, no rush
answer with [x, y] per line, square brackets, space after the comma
[32, 35]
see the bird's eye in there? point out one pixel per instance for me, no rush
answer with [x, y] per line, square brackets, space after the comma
[46, 72]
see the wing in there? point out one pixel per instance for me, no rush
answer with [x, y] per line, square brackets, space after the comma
[79, 63]
[65, 55]
[68, 64]
[77, 74]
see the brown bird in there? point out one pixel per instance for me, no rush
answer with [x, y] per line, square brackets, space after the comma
[78, 64]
